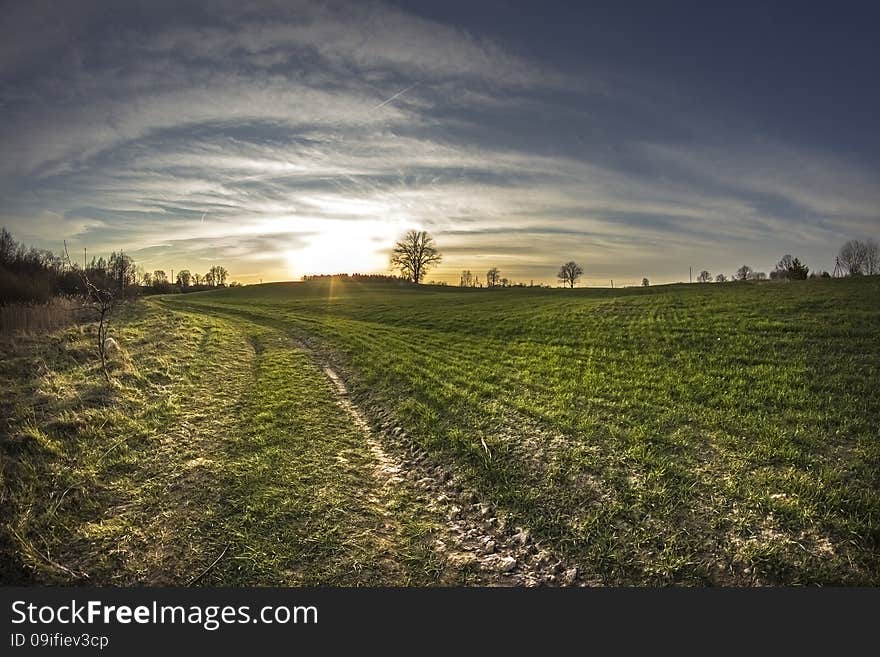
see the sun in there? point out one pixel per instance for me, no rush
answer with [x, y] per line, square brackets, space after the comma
[344, 247]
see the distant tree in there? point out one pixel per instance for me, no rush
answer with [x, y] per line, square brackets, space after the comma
[758, 276]
[872, 257]
[853, 257]
[147, 279]
[825, 274]
[645, 282]
[121, 270]
[790, 268]
[217, 275]
[198, 279]
[704, 277]
[569, 273]
[208, 278]
[235, 284]
[493, 276]
[505, 282]
[159, 277]
[184, 278]
[744, 273]
[414, 254]
[467, 278]
[798, 271]
[8, 247]
[721, 278]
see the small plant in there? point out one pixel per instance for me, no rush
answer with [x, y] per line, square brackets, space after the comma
[101, 301]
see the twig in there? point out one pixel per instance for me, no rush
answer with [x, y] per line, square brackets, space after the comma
[206, 570]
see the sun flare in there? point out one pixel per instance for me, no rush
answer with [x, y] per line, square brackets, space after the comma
[345, 247]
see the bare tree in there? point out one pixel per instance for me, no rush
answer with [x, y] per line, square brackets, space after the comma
[853, 256]
[184, 278]
[102, 301]
[216, 276]
[645, 282]
[121, 269]
[160, 277]
[721, 278]
[467, 278]
[704, 277]
[414, 254]
[872, 257]
[493, 277]
[569, 273]
[744, 273]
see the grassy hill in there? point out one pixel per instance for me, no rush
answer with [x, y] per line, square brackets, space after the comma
[690, 434]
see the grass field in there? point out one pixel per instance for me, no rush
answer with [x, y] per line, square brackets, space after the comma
[691, 434]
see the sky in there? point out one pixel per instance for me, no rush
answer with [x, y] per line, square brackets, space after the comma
[284, 138]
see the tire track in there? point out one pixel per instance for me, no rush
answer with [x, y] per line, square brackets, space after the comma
[473, 536]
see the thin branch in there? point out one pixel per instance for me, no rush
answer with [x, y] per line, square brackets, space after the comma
[208, 569]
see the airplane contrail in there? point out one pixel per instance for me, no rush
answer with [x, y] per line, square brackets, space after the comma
[399, 93]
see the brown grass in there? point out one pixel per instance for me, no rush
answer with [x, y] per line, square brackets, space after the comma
[26, 318]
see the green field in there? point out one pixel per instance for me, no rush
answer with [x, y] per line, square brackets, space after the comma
[692, 434]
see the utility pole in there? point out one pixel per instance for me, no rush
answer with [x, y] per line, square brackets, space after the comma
[84, 258]
[612, 283]
[690, 274]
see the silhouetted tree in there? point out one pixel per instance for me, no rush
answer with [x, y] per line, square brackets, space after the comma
[853, 257]
[790, 268]
[184, 278]
[467, 278]
[160, 277]
[414, 254]
[872, 257]
[704, 277]
[493, 276]
[744, 273]
[569, 273]
[645, 282]
[721, 278]
[121, 269]
[216, 276]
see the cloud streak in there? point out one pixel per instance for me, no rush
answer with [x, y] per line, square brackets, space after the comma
[255, 137]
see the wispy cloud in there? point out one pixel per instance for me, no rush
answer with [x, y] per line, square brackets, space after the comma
[257, 137]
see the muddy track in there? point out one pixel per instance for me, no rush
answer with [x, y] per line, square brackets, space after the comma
[472, 536]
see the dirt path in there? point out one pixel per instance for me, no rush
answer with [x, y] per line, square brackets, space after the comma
[472, 535]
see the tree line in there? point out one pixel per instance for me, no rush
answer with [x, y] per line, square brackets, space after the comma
[31, 275]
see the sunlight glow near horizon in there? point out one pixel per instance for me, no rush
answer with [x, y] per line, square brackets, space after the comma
[346, 247]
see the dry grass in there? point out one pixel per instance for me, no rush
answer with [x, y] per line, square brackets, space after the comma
[29, 318]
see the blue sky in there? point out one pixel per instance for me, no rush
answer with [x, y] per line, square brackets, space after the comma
[281, 138]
